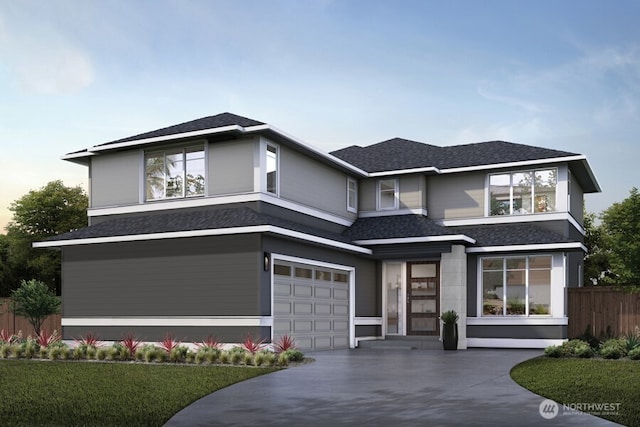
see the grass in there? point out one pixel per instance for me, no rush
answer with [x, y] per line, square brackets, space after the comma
[571, 381]
[40, 393]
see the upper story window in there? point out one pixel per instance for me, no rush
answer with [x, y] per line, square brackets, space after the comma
[272, 169]
[352, 195]
[387, 194]
[516, 286]
[175, 172]
[524, 192]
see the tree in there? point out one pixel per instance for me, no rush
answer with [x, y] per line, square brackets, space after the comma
[34, 301]
[597, 266]
[40, 214]
[621, 237]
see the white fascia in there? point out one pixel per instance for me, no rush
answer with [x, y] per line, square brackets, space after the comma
[426, 239]
[533, 247]
[200, 233]
[373, 214]
[404, 172]
[514, 164]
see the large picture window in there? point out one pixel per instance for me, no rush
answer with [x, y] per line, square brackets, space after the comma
[516, 286]
[521, 193]
[175, 173]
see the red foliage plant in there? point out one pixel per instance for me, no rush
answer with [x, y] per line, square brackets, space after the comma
[5, 336]
[252, 346]
[284, 343]
[130, 342]
[209, 342]
[89, 339]
[168, 343]
[45, 339]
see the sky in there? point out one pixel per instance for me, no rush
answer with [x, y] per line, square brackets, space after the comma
[333, 73]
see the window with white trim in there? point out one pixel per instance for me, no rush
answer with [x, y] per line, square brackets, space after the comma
[516, 286]
[272, 169]
[175, 173]
[523, 192]
[387, 194]
[352, 195]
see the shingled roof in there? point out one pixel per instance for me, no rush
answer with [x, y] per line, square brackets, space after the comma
[398, 154]
[210, 122]
[510, 234]
[209, 219]
[394, 227]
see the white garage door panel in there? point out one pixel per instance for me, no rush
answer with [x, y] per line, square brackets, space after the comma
[311, 304]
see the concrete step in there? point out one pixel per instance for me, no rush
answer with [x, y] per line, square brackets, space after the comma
[407, 343]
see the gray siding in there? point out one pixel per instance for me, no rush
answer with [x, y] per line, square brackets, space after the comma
[231, 167]
[413, 191]
[367, 196]
[209, 276]
[575, 267]
[577, 201]
[517, 331]
[312, 183]
[456, 195]
[190, 334]
[115, 179]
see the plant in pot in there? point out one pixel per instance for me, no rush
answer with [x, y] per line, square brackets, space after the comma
[449, 330]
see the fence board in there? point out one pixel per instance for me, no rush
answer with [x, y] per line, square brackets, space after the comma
[13, 324]
[602, 310]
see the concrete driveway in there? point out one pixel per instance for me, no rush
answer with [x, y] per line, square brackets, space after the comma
[383, 387]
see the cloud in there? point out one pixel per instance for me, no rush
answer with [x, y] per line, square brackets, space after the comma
[42, 60]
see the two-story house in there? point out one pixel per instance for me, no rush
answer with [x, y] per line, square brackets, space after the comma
[226, 226]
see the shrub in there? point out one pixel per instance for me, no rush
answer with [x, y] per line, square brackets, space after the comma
[270, 359]
[30, 348]
[635, 353]
[80, 352]
[209, 342]
[583, 351]
[284, 343]
[283, 360]
[115, 352]
[554, 351]
[251, 345]
[190, 357]
[46, 339]
[131, 343]
[91, 353]
[54, 352]
[249, 359]
[16, 350]
[632, 341]
[89, 339]
[259, 358]
[178, 354]
[101, 353]
[6, 337]
[613, 349]
[168, 343]
[225, 357]
[236, 356]
[211, 354]
[589, 338]
[294, 355]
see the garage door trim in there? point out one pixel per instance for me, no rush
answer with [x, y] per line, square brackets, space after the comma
[316, 263]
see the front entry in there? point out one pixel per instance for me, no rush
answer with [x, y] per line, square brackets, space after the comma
[423, 298]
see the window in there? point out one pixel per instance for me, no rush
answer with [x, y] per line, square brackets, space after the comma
[272, 169]
[352, 195]
[522, 193]
[388, 194]
[175, 173]
[516, 286]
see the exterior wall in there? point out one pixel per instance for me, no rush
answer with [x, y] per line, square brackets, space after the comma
[312, 183]
[207, 276]
[413, 190]
[546, 332]
[115, 179]
[453, 288]
[576, 201]
[456, 195]
[231, 167]
[575, 269]
[367, 194]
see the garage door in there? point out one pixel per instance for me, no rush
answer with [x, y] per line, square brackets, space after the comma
[311, 304]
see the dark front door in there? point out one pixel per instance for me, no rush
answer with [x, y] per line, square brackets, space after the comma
[423, 298]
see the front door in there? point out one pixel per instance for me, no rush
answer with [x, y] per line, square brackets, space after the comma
[423, 298]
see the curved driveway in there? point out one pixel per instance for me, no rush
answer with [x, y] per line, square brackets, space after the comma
[383, 387]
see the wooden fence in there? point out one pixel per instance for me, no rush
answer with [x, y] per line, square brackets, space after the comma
[12, 324]
[602, 310]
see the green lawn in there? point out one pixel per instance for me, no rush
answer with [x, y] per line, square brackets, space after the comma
[571, 381]
[41, 393]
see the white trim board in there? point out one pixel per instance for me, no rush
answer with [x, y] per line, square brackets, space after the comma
[516, 321]
[534, 247]
[512, 343]
[426, 239]
[209, 232]
[169, 321]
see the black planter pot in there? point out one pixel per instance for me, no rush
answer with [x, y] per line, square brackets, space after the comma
[450, 336]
